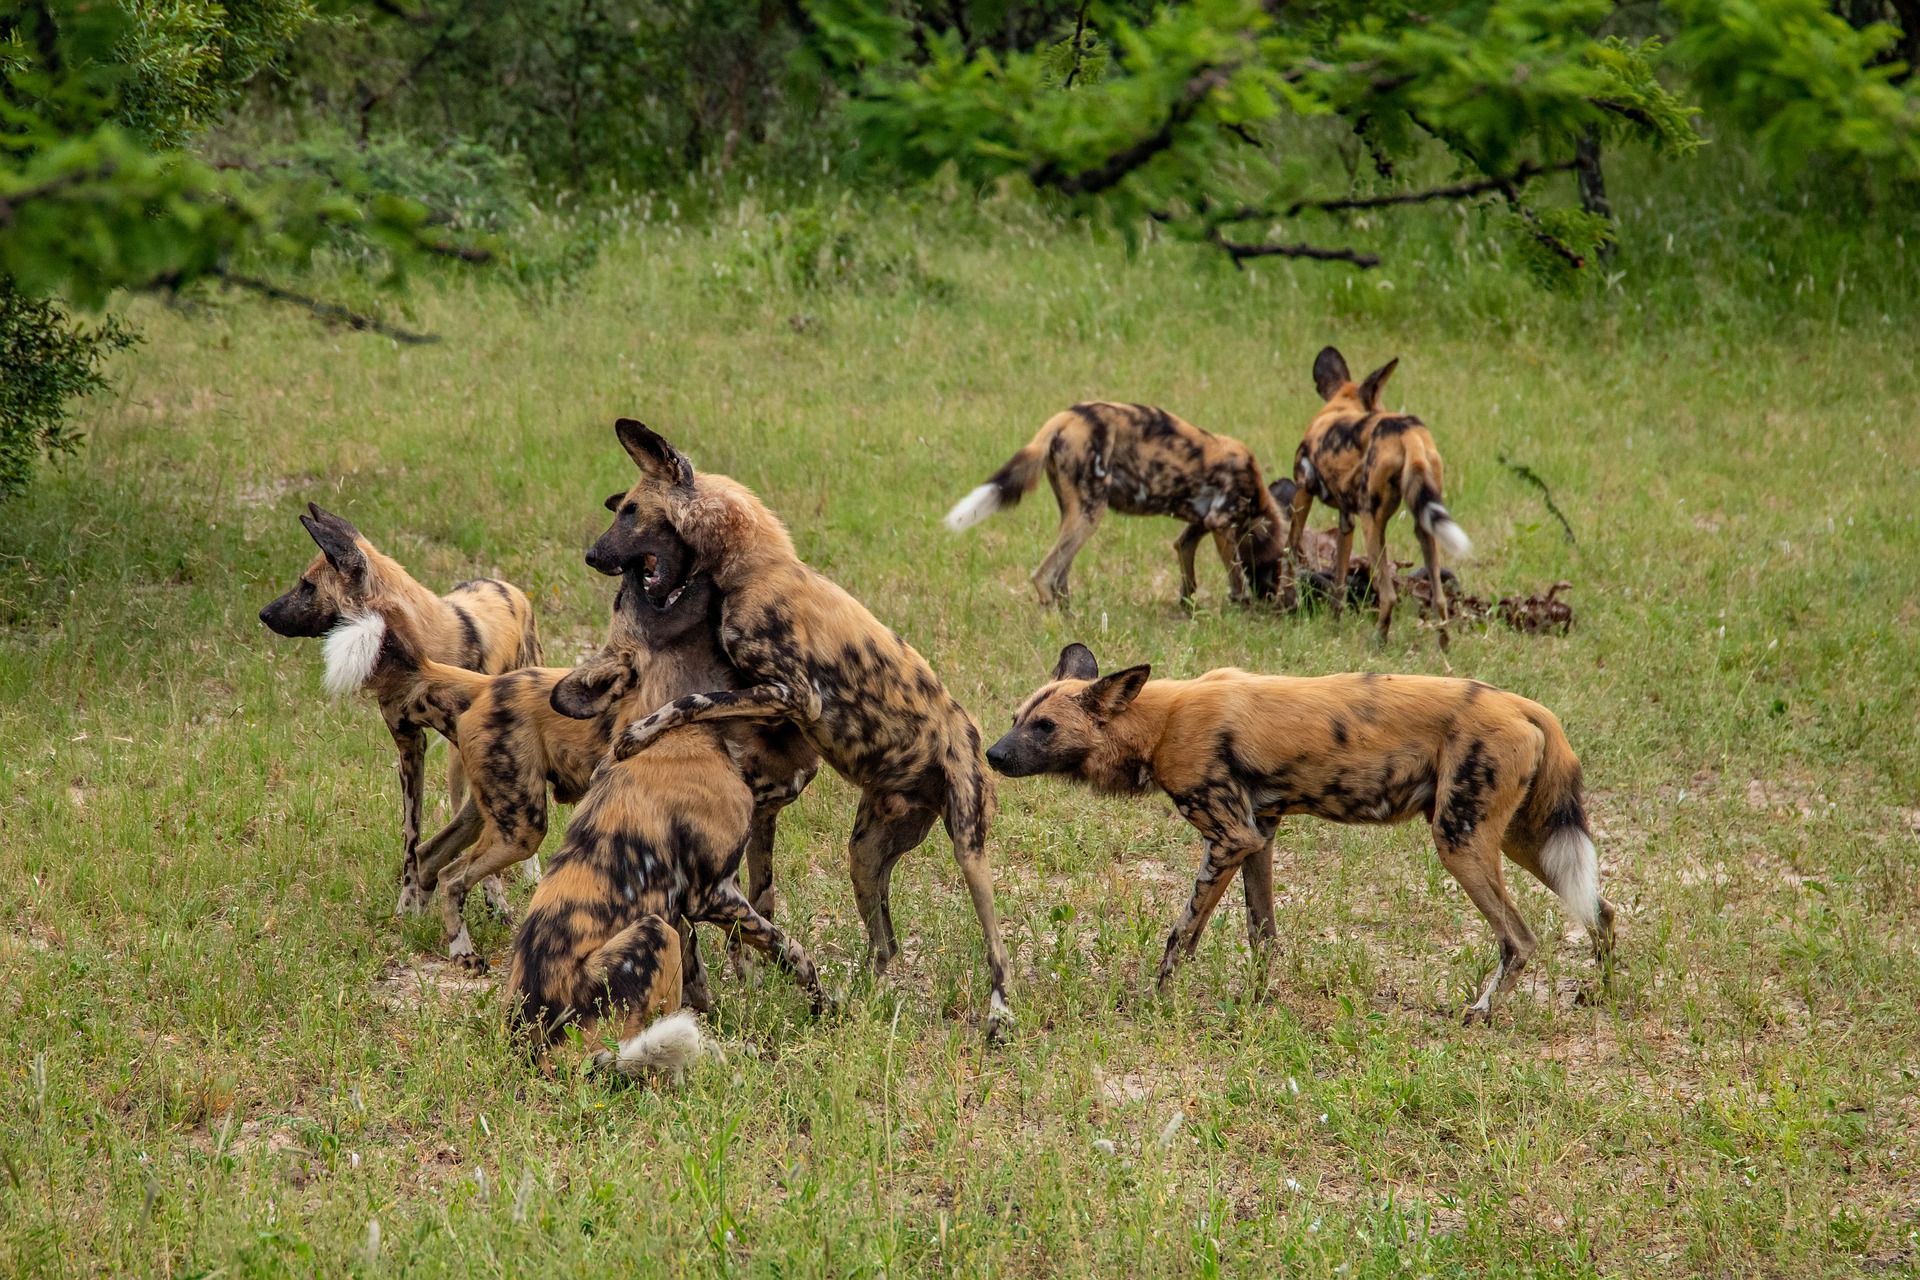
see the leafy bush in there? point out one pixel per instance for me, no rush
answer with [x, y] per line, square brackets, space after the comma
[50, 361]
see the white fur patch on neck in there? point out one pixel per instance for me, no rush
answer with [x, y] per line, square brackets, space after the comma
[353, 650]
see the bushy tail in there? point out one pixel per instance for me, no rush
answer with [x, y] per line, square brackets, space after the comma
[529, 655]
[1421, 486]
[1012, 482]
[670, 1044]
[1556, 810]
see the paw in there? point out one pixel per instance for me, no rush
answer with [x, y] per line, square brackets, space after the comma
[1000, 1021]
[413, 900]
[460, 951]
[1477, 1015]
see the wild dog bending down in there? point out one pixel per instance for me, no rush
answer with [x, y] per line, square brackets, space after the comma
[860, 693]
[518, 735]
[482, 625]
[1141, 461]
[1236, 753]
[657, 839]
[1364, 462]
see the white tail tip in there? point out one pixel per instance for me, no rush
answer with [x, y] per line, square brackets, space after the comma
[974, 508]
[352, 650]
[1572, 869]
[672, 1043]
[1446, 532]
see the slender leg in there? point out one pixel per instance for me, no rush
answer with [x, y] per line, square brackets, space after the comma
[1342, 557]
[638, 972]
[452, 840]
[411, 742]
[499, 847]
[970, 806]
[1256, 879]
[728, 906]
[1297, 528]
[1230, 843]
[693, 985]
[1472, 810]
[1375, 527]
[1076, 526]
[884, 827]
[1184, 546]
[1229, 549]
[759, 860]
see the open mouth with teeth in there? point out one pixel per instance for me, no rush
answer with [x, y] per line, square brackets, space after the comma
[663, 576]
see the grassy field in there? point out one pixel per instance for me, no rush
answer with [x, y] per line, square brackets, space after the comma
[221, 1054]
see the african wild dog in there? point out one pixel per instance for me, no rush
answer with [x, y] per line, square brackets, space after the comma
[1141, 461]
[657, 839]
[1236, 753]
[860, 693]
[483, 625]
[1364, 462]
[517, 737]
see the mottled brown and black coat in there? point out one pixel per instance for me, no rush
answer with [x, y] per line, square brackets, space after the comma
[1142, 461]
[1489, 771]
[658, 839]
[1364, 462]
[484, 625]
[864, 697]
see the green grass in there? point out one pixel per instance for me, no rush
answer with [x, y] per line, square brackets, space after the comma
[219, 1053]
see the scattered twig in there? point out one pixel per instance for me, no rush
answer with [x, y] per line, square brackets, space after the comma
[1530, 476]
[325, 310]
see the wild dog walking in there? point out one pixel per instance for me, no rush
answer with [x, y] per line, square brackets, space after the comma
[658, 839]
[1364, 462]
[483, 625]
[517, 736]
[1489, 770]
[1141, 461]
[860, 693]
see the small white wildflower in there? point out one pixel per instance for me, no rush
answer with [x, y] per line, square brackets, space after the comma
[1172, 1131]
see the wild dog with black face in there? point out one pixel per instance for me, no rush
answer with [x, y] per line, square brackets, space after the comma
[483, 625]
[518, 734]
[658, 839]
[1141, 461]
[1364, 462]
[861, 694]
[1489, 770]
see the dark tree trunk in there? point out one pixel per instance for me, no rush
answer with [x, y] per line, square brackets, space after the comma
[1593, 181]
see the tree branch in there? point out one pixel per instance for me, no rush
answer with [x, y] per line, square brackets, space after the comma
[1241, 252]
[1507, 185]
[325, 310]
[79, 177]
[1103, 177]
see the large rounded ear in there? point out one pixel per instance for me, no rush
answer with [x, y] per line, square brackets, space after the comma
[1370, 389]
[1330, 372]
[1109, 696]
[651, 452]
[592, 687]
[1076, 663]
[337, 539]
[614, 500]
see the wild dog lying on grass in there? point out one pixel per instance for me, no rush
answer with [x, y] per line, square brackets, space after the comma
[657, 839]
[1141, 461]
[1364, 462]
[860, 693]
[519, 734]
[1236, 753]
[483, 625]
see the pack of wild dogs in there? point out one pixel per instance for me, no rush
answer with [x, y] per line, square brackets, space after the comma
[732, 670]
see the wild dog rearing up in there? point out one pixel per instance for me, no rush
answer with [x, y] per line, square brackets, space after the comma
[518, 736]
[1489, 770]
[1141, 461]
[657, 839]
[860, 693]
[483, 625]
[1364, 462]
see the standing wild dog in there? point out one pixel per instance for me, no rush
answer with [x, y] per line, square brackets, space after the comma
[517, 740]
[1141, 461]
[657, 839]
[1236, 753]
[860, 693]
[1364, 462]
[482, 625]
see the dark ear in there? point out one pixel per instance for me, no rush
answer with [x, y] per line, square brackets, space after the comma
[1076, 663]
[651, 452]
[614, 500]
[1330, 372]
[592, 687]
[1284, 491]
[1109, 696]
[337, 539]
[1370, 389]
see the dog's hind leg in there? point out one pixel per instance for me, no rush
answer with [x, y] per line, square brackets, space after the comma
[1380, 565]
[1256, 879]
[1480, 791]
[969, 809]
[693, 981]
[1079, 516]
[449, 843]
[638, 971]
[885, 826]
[411, 742]
[1228, 546]
[1342, 558]
[1184, 547]
[504, 843]
[759, 862]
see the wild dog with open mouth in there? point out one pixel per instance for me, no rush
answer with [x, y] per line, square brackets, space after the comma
[518, 735]
[1364, 462]
[1236, 752]
[483, 625]
[657, 839]
[860, 693]
[1141, 461]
